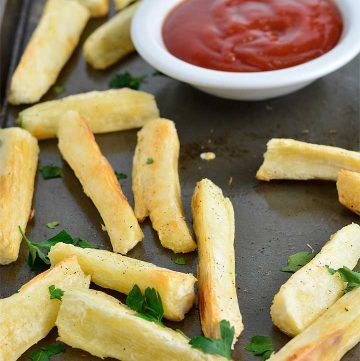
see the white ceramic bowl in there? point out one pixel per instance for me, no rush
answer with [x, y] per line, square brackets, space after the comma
[146, 34]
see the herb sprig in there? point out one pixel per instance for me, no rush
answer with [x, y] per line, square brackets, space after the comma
[50, 171]
[261, 346]
[126, 80]
[45, 353]
[297, 261]
[347, 275]
[55, 293]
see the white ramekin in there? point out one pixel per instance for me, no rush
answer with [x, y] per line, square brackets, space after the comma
[146, 34]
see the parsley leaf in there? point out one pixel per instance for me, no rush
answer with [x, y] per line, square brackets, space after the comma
[148, 306]
[50, 171]
[58, 89]
[52, 225]
[45, 353]
[180, 261]
[347, 275]
[149, 161]
[213, 346]
[126, 80]
[297, 261]
[55, 293]
[120, 175]
[38, 259]
[260, 346]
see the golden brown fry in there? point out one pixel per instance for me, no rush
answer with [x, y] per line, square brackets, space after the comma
[49, 49]
[104, 111]
[291, 159]
[120, 273]
[312, 290]
[116, 332]
[330, 336]
[97, 8]
[111, 41]
[28, 316]
[213, 217]
[78, 147]
[156, 184]
[348, 186]
[18, 162]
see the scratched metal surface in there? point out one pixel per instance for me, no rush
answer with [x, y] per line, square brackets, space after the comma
[273, 220]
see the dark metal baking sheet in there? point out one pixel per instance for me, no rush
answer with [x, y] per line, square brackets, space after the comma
[273, 220]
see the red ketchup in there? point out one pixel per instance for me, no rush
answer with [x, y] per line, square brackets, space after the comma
[252, 35]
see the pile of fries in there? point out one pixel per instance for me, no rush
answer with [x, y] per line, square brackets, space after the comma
[310, 307]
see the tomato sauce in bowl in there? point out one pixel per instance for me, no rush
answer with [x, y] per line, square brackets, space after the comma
[251, 35]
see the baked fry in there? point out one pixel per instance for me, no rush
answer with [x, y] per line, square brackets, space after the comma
[116, 332]
[97, 8]
[18, 162]
[120, 273]
[291, 159]
[104, 111]
[78, 147]
[348, 186]
[121, 4]
[28, 316]
[111, 41]
[330, 336]
[49, 49]
[312, 290]
[156, 184]
[213, 218]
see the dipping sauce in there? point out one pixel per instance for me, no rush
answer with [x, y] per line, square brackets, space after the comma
[252, 35]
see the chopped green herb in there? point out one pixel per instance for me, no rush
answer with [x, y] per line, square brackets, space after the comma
[52, 225]
[126, 80]
[347, 275]
[260, 346]
[213, 346]
[120, 175]
[149, 161]
[297, 261]
[50, 171]
[148, 306]
[38, 259]
[55, 293]
[158, 73]
[58, 89]
[45, 353]
[180, 260]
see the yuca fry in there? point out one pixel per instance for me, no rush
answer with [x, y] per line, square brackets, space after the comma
[120, 273]
[28, 316]
[291, 159]
[348, 186]
[111, 41]
[156, 184]
[330, 336]
[78, 147]
[97, 8]
[104, 111]
[213, 217]
[312, 290]
[121, 4]
[50, 47]
[18, 162]
[116, 332]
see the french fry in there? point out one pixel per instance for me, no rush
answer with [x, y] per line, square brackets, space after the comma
[28, 316]
[120, 273]
[312, 290]
[330, 336]
[348, 186]
[97, 8]
[111, 41]
[213, 217]
[116, 332]
[291, 159]
[49, 49]
[78, 147]
[121, 4]
[156, 184]
[104, 111]
[18, 162]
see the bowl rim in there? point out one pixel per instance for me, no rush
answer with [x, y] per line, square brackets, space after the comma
[146, 32]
